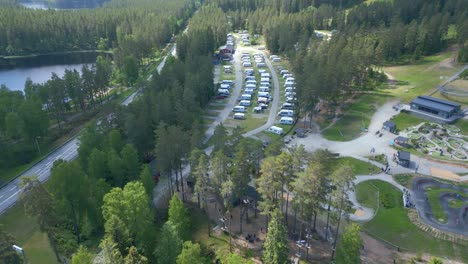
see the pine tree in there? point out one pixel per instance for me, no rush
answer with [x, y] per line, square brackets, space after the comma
[275, 248]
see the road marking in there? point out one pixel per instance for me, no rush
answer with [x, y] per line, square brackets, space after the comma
[13, 188]
[10, 197]
[1, 196]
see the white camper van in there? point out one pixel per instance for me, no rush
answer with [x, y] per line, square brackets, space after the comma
[239, 109]
[239, 116]
[244, 103]
[276, 130]
[284, 112]
[286, 120]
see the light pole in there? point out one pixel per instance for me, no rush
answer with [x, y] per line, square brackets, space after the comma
[37, 145]
[20, 250]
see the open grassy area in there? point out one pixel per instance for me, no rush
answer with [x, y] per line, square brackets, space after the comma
[405, 120]
[27, 235]
[403, 179]
[433, 194]
[356, 117]
[393, 225]
[359, 167]
[367, 194]
[422, 77]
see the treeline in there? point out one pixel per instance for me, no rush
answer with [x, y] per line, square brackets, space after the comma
[25, 118]
[323, 75]
[397, 28]
[134, 28]
[412, 28]
[286, 6]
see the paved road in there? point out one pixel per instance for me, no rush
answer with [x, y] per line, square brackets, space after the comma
[9, 194]
[368, 213]
[448, 80]
[223, 115]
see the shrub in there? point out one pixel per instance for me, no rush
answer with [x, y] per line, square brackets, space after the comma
[388, 200]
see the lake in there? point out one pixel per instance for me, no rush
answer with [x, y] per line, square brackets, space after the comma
[61, 4]
[15, 71]
[14, 79]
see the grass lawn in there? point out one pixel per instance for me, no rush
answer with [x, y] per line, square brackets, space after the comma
[27, 235]
[359, 167]
[249, 123]
[457, 203]
[356, 117]
[394, 226]
[433, 194]
[367, 194]
[404, 120]
[420, 78]
[403, 179]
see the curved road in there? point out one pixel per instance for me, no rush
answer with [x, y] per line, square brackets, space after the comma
[9, 194]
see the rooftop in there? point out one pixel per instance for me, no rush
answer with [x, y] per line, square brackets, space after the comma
[401, 139]
[389, 123]
[435, 103]
[403, 155]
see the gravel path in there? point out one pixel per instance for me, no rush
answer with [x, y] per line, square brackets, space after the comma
[368, 213]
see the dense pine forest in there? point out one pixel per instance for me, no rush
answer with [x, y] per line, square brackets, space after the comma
[110, 208]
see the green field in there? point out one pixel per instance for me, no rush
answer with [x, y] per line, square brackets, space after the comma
[27, 235]
[393, 225]
[359, 167]
[367, 194]
[404, 120]
[420, 78]
[357, 117]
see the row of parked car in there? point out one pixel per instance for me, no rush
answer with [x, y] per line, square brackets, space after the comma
[250, 88]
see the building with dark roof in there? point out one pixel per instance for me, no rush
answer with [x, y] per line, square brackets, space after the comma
[436, 109]
[389, 126]
[403, 158]
[402, 141]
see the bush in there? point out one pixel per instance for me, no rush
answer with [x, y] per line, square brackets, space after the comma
[388, 200]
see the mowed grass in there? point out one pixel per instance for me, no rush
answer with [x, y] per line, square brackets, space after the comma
[249, 123]
[359, 167]
[356, 117]
[394, 226]
[26, 232]
[367, 194]
[404, 120]
[420, 78]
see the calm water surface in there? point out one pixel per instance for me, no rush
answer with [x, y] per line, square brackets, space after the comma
[14, 79]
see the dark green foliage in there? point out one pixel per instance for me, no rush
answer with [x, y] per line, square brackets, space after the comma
[7, 254]
[348, 250]
[388, 201]
[134, 28]
[275, 248]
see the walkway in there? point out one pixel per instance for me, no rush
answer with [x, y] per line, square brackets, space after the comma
[365, 213]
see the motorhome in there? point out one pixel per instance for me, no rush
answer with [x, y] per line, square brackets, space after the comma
[246, 97]
[287, 106]
[286, 120]
[284, 112]
[239, 109]
[239, 116]
[245, 103]
[264, 94]
[276, 130]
